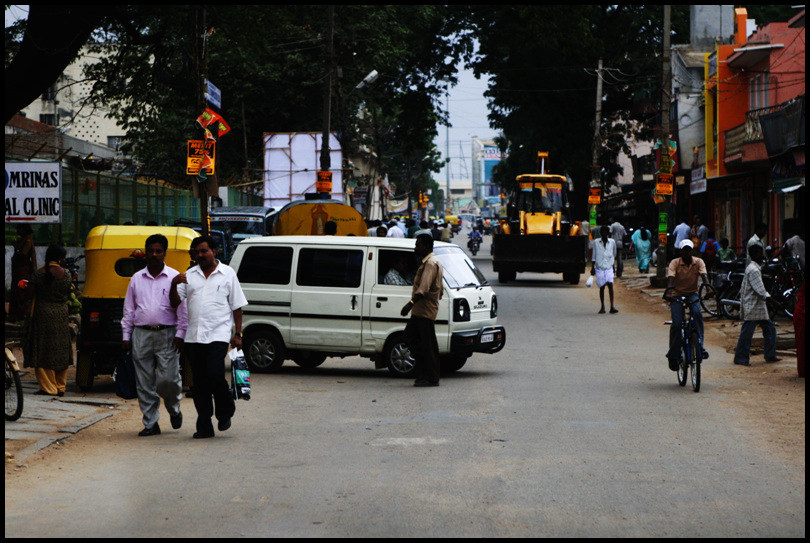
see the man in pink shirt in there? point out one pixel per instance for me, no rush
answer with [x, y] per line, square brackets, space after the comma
[154, 332]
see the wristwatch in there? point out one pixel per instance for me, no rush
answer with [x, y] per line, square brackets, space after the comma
[238, 334]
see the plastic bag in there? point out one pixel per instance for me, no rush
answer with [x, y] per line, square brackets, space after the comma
[589, 282]
[240, 375]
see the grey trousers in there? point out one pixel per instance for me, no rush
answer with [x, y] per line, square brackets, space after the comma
[157, 372]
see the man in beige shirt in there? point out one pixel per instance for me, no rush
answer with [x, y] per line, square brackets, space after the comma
[424, 307]
[682, 280]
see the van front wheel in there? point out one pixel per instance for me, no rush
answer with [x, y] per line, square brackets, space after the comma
[264, 351]
[398, 357]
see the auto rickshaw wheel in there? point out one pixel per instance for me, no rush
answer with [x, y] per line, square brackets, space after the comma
[85, 372]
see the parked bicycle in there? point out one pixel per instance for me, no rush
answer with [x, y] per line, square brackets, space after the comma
[14, 391]
[72, 266]
[691, 347]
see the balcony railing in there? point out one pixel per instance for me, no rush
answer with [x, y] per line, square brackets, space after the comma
[785, 128]
[748, 132]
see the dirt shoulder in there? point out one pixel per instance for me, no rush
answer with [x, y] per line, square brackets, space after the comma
[771, 395]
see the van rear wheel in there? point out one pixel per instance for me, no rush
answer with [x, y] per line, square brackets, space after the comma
[398, 357]
[264, 351]
[452, 363]
[309, 359]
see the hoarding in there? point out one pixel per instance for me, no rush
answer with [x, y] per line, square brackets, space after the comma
[33, 192]
[291, 163]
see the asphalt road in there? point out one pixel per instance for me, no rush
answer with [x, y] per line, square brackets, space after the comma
[575, 429]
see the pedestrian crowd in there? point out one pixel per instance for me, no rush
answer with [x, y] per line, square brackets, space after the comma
[697, 252]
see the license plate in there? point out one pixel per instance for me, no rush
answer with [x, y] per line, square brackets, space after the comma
[487, 338]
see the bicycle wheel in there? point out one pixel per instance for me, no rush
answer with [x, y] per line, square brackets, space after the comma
[709, 303]
[697, 358]
[14, 393]
[731, 311]
[683, 367]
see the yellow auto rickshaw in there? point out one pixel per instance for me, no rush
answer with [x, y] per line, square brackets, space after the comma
[112, 255]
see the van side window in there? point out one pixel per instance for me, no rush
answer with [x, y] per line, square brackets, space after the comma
[266, 265]
[342, 268]
[396, 268]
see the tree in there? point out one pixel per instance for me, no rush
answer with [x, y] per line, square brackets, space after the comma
[53, 36]
[542, 62]
[272, 61]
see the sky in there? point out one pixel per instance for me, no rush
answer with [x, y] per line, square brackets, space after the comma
[468, 118]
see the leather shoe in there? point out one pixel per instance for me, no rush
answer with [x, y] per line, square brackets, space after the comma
[742, 363]
[176, 420]
[425, 383]
[153, 431]
[224, 424]
[774, 359]
[203, 435]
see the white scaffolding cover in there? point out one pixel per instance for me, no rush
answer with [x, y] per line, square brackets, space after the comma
[290, 163]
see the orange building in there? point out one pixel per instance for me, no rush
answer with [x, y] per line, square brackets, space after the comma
[745, 81]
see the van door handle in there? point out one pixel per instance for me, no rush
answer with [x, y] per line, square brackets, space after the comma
[354, 302]
[382, 299]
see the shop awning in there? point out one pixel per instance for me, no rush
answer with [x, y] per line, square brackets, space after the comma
[788, 184]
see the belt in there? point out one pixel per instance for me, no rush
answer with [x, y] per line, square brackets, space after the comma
[155, 327]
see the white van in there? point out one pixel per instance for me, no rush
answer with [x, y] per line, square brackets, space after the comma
[310, 297]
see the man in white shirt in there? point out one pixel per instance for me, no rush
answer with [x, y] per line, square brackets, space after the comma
[604, 254]
[394, 231]
[681, 232]
[617, 232]
[214, 299]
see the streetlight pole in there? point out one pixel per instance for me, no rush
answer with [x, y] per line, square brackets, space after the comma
[663, 207]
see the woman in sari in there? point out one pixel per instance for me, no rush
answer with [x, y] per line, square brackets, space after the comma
[643, 247]
[48, 345]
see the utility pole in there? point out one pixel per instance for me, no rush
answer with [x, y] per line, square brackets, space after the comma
[327, 93]
[447, 136]
[199, 57]
[666, 167]
[595, 170]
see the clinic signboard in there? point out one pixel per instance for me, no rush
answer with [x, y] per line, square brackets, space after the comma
[33, 193]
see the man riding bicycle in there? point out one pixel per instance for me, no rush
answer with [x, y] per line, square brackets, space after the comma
[682, 280]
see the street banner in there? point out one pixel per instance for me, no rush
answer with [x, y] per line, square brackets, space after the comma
[663, 222]
[663, 184]
[33, 192]
[323, 181]
[595, 196]
[201, 152]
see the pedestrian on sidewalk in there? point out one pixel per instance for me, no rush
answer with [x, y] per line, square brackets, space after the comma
[23, 265]
[47, 346]
[642, 245]
[215, 300]
[798, 330]
[726, 254]
[617, 232]
[681, 232]
[757, 239]
[604, 255]
[424, 308]
[153, 332]
[754, 311]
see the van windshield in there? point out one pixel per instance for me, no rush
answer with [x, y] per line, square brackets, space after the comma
[253, 226]
[458, 270]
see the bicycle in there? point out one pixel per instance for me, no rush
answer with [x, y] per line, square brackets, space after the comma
[14, 391]
[691, 347]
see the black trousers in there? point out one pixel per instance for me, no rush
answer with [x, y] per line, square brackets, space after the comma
[421, 337]
[210, 386]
